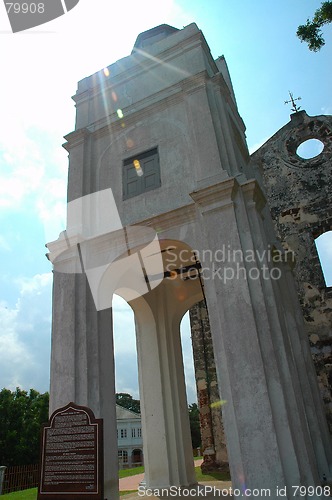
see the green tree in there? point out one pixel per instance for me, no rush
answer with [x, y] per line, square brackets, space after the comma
[194, 425]
[126, 401]
[21, 417]
[311, 32]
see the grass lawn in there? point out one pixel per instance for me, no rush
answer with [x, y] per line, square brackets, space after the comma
[21, 495]
[215, 476]
[131, 472]
[32, 494]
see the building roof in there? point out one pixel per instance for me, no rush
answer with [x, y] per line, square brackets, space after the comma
[124, 413]
[153, 35]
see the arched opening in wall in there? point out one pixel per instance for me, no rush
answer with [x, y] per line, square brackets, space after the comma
[310, 149]
[324, 250]
[189, 375]
[129, 430]
[188, 361]
[158, 315]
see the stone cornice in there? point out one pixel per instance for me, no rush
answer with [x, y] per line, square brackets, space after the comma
[75, 138]
[168, 220]
[254, 193]
[216, 196]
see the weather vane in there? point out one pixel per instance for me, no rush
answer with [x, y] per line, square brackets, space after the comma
[295, 108]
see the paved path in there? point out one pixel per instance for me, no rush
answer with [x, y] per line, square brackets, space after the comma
[132, 482]
[211, 491]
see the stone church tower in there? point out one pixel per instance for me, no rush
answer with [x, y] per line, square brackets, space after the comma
[164, 209]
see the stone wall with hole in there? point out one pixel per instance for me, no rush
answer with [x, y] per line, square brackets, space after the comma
[299, 194]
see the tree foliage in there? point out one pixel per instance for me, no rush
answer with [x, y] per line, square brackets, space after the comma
[21, 417]
[127, 401]
[194, 425]
[311, 32]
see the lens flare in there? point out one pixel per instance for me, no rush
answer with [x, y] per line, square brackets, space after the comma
[138, 168]
[181, 296]
[119, 113]
[114, 96]
[106, 72]
[219, 403]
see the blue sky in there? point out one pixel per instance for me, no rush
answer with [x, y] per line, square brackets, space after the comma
[40, 70]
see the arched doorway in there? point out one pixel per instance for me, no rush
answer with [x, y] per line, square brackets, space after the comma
[137, 457]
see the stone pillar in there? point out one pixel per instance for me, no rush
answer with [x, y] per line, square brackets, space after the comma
[82, 363]
[269, 443]
[306, 378]
[168, 456]
[212, 432]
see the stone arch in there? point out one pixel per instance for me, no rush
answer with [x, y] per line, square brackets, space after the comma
[165, 420]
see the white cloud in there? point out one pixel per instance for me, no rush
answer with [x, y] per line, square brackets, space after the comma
[25, 336]
[22, 174]
[11, 350]
[326, 110]
[33, 178]
[35, 285]
[4, 245]
[257, 145]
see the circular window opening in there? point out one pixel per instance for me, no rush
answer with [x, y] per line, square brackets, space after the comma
[310, 149]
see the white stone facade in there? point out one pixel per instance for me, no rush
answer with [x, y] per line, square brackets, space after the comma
[129, 434]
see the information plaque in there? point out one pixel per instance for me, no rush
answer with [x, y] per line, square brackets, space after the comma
[72, 455]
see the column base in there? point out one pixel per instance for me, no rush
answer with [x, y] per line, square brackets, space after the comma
[210, 464]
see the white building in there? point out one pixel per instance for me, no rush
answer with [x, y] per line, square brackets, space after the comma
[129, 434]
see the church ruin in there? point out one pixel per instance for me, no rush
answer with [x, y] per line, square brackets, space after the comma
[167, 208]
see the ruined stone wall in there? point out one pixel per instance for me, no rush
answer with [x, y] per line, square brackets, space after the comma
[209, 402]
[299, 195]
